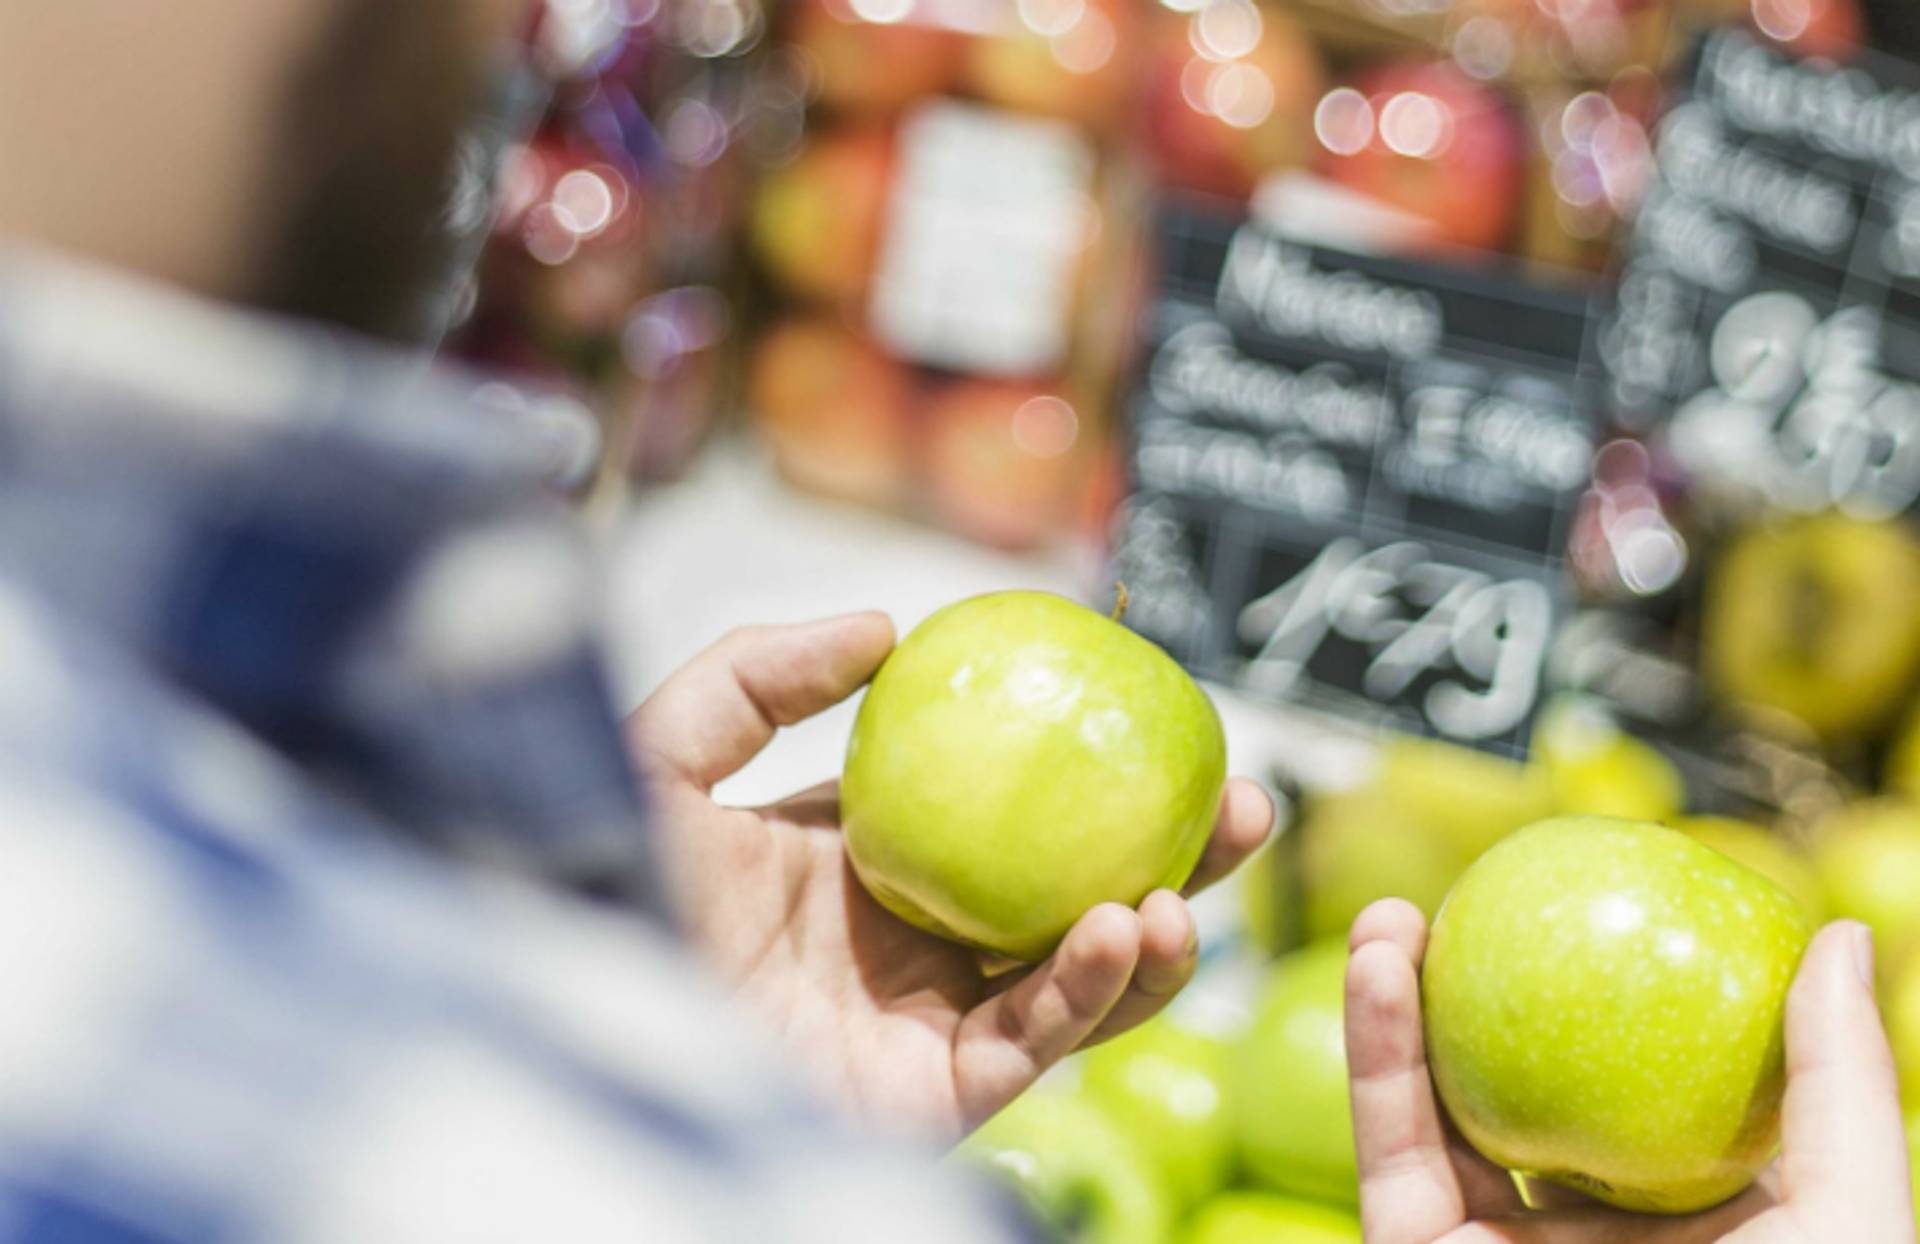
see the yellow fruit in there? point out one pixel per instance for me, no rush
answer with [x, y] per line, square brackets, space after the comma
[1594, 768]
[1867, 857]
[1357, 847]
[1470, 799]
[1761, 850]
[1901, 1010]
[1269, 896]
[1817, 619]
[1903, 762]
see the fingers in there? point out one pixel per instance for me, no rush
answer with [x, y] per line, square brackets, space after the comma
[720, 709]
[1408, 1191]
[1246, 818]
[1415, 1184]
[1004, 1044]
[1843, 1155]
[1169, 952]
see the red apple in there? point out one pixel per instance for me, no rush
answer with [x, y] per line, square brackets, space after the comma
[1073, 59]
[867, 66]
[834, 409]
[1003, 458]
[1230, 95]
[817, 223]
[1834, 28]
[1424, 137]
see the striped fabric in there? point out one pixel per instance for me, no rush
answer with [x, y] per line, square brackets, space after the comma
[305, 757]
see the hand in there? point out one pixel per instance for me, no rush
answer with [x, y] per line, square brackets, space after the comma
[899, 1025]
[1842, 1174]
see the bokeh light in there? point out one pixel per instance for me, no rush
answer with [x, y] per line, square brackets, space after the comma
[1226, 30]
[1046, 427]
[1343, 121]
[1416, 125]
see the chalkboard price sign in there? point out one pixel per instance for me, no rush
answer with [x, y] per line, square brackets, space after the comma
[1353, 477]
[1768, 315]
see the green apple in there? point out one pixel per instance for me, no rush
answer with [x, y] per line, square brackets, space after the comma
[1269, 895]
[1357, 847]
[1290, 1109]
[1763, 851]
[1166, 1087]
[1597, 769]
[1902, 775]
[1263, 1218]
[1471, 799]
[1867, 856]
[1902, 1015]
[1816, 619]
[1075, 1168]
[1020, 759]
[1603, 1010]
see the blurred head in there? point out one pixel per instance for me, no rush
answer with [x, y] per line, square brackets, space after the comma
[289, 154]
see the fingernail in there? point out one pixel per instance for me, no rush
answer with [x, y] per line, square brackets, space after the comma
[1863, 954]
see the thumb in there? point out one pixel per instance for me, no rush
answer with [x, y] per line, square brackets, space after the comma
[718, 711]
[1844, 1153]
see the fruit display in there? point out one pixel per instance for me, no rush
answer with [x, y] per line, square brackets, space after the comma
[1075, 1169]
[605, 281]
[1429, 140]
[1263, 1218]
[1230, 94]
[1170, 1088]
[956, 194]
[1818, 620]
[1867, 858]
[817, 222]
[1020, 759]
[1603, 1005]
[1290, 1079]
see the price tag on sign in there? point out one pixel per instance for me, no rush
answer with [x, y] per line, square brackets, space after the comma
[1768, 315]
[1353, 478]
[1461, 646]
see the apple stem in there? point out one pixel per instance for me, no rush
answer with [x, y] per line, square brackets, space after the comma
[1119, 601]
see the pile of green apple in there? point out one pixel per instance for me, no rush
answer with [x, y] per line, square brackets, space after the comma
[1019, 759]
[1429, 808]
[1173, 1135]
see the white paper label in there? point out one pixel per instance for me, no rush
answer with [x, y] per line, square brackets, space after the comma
[988, 224]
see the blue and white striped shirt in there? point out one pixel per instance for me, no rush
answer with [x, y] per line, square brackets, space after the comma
[305, 751]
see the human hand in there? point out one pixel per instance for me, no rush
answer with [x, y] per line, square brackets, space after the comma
[900, 1026]
[1841, 1177]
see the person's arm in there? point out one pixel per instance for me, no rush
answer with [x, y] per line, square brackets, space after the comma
[1842, 1173]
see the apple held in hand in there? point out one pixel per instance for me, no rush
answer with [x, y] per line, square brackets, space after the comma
[1020, 759]
[1263, 1218]
[1291, 1115]
[1603, 1010]
[1076, 1170]
[1166, 1087]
